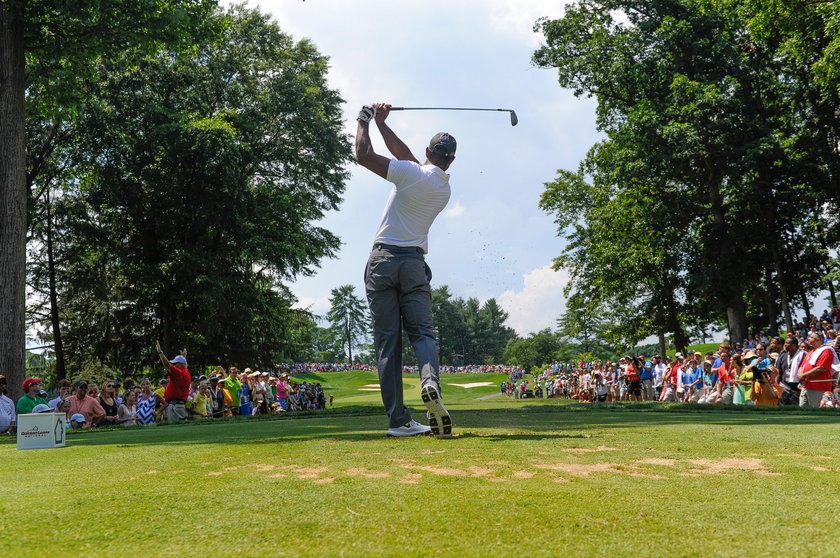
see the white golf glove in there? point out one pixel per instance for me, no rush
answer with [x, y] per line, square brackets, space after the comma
[366, 114]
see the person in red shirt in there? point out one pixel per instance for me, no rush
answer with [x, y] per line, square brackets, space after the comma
[178, 387]
[815, 372]
[725, 392]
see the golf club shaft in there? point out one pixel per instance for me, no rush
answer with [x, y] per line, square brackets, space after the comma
[447, 108]
[513, 118]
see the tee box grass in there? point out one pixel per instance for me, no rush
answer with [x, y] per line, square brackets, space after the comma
[521, 477]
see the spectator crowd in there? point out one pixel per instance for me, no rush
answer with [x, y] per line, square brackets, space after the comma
[759, 371]
[799, 369]
[222, 393]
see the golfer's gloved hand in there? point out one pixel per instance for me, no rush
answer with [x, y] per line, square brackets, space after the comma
[366, 114]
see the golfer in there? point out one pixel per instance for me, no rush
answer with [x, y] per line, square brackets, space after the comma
[397, 277]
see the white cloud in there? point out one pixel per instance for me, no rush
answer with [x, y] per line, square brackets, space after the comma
[517, 17]
[317, 305]
[539, 303]
[456, 210]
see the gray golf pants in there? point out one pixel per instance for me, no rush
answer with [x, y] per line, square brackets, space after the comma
[398, 292]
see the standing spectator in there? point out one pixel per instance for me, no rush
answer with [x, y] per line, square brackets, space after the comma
[148, 403]
[245, 394]
[742, 377]
[646, 375]
[788, 363]
[83, 404]
[30, 397]
[220, 399]
[108, 401]
[724, 372]
[201, 401]
[659, 370]
[8, 417]
[127, 412]
[178, 387]
[816, 371]
[233, 386]
[64, 390]
[283, 391]
[764, 384]
[93, 390]
[262, 394]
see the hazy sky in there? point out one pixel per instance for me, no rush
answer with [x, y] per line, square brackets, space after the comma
[492, 240]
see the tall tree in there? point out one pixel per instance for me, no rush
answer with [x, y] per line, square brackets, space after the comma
[694, 110]
[349, 318]
[199, 176]
[59, 41]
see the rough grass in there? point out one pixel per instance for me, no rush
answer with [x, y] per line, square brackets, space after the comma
[520, 478]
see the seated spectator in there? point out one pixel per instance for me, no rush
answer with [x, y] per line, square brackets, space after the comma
[127, 412]
[827, 401]
[30, 397]
[78, 421]
[64, 389]
[8, 416]
[85, 405]
[63, 407]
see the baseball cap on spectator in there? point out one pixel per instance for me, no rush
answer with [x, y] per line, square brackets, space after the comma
[29, 381]
[443, 144]
[679, 355]
[180, 359]
[42, 393]
[214, 380]
[78, 417]
[81, 383]
[41, 408]
[202, 378]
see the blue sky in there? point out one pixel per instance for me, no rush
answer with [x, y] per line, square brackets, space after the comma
[492, 240]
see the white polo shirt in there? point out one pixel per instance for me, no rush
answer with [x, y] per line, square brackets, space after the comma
[419, 194]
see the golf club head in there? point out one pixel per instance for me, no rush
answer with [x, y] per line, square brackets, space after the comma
[513, 119]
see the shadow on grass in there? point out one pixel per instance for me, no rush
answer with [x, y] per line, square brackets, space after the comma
[367, 423]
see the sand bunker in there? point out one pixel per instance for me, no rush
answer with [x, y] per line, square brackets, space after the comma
[473, 385]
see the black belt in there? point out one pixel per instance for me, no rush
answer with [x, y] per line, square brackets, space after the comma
[395, 248]
[171, 401]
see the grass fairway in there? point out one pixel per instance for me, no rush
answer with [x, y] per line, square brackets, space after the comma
[520, 478]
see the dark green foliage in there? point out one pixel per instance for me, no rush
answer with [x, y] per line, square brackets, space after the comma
[196, 178]
[703, 198]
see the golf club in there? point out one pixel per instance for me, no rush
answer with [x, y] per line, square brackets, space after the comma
[513, 119]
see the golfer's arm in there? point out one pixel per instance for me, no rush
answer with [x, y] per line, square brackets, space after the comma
[366, 156]
[394, 144]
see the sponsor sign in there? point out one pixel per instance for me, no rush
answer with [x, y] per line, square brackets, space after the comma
[41, 430]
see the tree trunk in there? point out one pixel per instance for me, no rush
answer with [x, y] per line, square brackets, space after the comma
[349, 342]
[806, 307]
[12, 197]
[783, 292]
[662, 346]
[772, 318]
[58, 345]
[736, 317]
